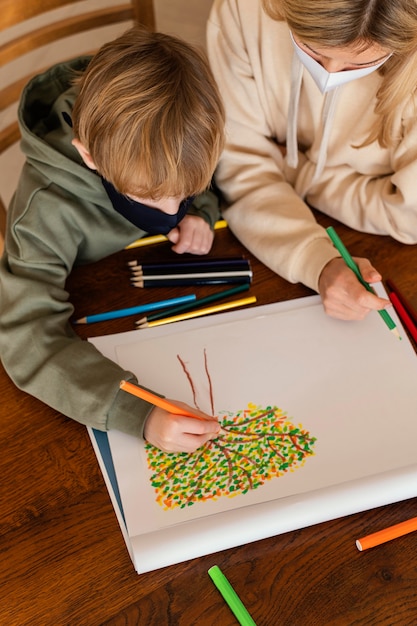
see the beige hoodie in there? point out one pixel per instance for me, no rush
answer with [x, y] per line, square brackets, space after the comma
[270, 98]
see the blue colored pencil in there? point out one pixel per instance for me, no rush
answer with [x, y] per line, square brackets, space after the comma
[134, 310]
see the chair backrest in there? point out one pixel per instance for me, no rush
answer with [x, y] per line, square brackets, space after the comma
[29, 29]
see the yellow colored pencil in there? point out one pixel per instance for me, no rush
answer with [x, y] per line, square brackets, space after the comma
[200, 312]
[146, 241]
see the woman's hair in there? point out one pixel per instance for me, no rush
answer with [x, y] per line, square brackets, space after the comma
[392, 24]
[149, 113]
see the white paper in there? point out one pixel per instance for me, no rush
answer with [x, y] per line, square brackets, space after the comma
[350, 385]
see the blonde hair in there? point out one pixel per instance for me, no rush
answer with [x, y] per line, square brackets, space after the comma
[149, 112]
[392, 24]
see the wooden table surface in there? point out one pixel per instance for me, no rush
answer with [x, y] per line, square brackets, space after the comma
[63, 558]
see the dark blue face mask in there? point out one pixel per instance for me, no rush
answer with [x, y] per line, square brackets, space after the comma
[152, 221]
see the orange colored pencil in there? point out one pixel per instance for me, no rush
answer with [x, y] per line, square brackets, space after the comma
[382, 536]
[162, 403]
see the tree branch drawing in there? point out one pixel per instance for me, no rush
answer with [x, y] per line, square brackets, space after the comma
[257, 444]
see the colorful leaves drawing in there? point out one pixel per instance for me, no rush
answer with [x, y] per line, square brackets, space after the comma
[256, 445]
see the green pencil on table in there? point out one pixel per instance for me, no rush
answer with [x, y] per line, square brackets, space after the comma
[230, 596]
[337, 242]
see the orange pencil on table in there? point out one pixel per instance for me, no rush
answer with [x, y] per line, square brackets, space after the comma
[162, 403]
[382, 536]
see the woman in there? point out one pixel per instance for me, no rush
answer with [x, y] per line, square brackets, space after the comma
[321, 111]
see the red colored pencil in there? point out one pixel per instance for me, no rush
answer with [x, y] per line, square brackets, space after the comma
[412, 312]
[403, 315]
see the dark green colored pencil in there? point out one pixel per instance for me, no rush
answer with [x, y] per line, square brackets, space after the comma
[337, 242]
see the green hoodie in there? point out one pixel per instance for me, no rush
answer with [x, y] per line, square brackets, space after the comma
[53, 220]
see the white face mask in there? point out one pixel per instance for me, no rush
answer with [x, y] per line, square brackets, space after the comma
[326, 81]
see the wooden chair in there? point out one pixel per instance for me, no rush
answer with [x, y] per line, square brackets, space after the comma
[28, 25]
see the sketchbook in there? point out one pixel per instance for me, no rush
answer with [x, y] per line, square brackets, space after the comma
[318, 416]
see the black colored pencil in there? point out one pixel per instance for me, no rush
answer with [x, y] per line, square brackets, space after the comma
[190, 265]
[186, 282]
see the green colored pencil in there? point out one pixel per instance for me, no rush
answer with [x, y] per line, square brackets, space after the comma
[230, 596]
[195, 305]
[337, 242]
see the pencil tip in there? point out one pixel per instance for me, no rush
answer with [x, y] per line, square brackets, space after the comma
[396, 333]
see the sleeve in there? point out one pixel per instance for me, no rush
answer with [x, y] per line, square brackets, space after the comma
[264, 211]
[379, 203]
[38, 347]
[206, 206]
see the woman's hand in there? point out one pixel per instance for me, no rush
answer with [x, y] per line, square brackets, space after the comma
[193, 235]
[343, 296]
[178, 433]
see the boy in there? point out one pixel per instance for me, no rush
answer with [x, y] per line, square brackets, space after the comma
[118, 152]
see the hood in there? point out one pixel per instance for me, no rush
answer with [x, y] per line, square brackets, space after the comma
[46, 135]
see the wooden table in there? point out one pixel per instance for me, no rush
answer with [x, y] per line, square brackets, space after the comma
[64, 561]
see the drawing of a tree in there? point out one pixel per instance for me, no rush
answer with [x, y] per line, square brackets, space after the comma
[255, 445]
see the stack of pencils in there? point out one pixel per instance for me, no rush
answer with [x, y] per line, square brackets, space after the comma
[197, 308]
[175, 309]
[192, 272]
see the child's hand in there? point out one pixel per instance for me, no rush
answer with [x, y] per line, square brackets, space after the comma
[344, 297]
[192, 235]
[177, 433]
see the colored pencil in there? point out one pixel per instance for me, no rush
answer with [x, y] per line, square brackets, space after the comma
[135, 310]
[192, 305]
[412, 312]
[352, 265]
[152, 398]
[146, 241]
[403, 315]
[202, 265]
[226, 274]
[185, 271]
[200, 312]
[160, 402]
[382, 536]
[230, 596]
[187, 282]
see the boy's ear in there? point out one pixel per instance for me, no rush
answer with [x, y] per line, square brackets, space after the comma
[84, 153]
